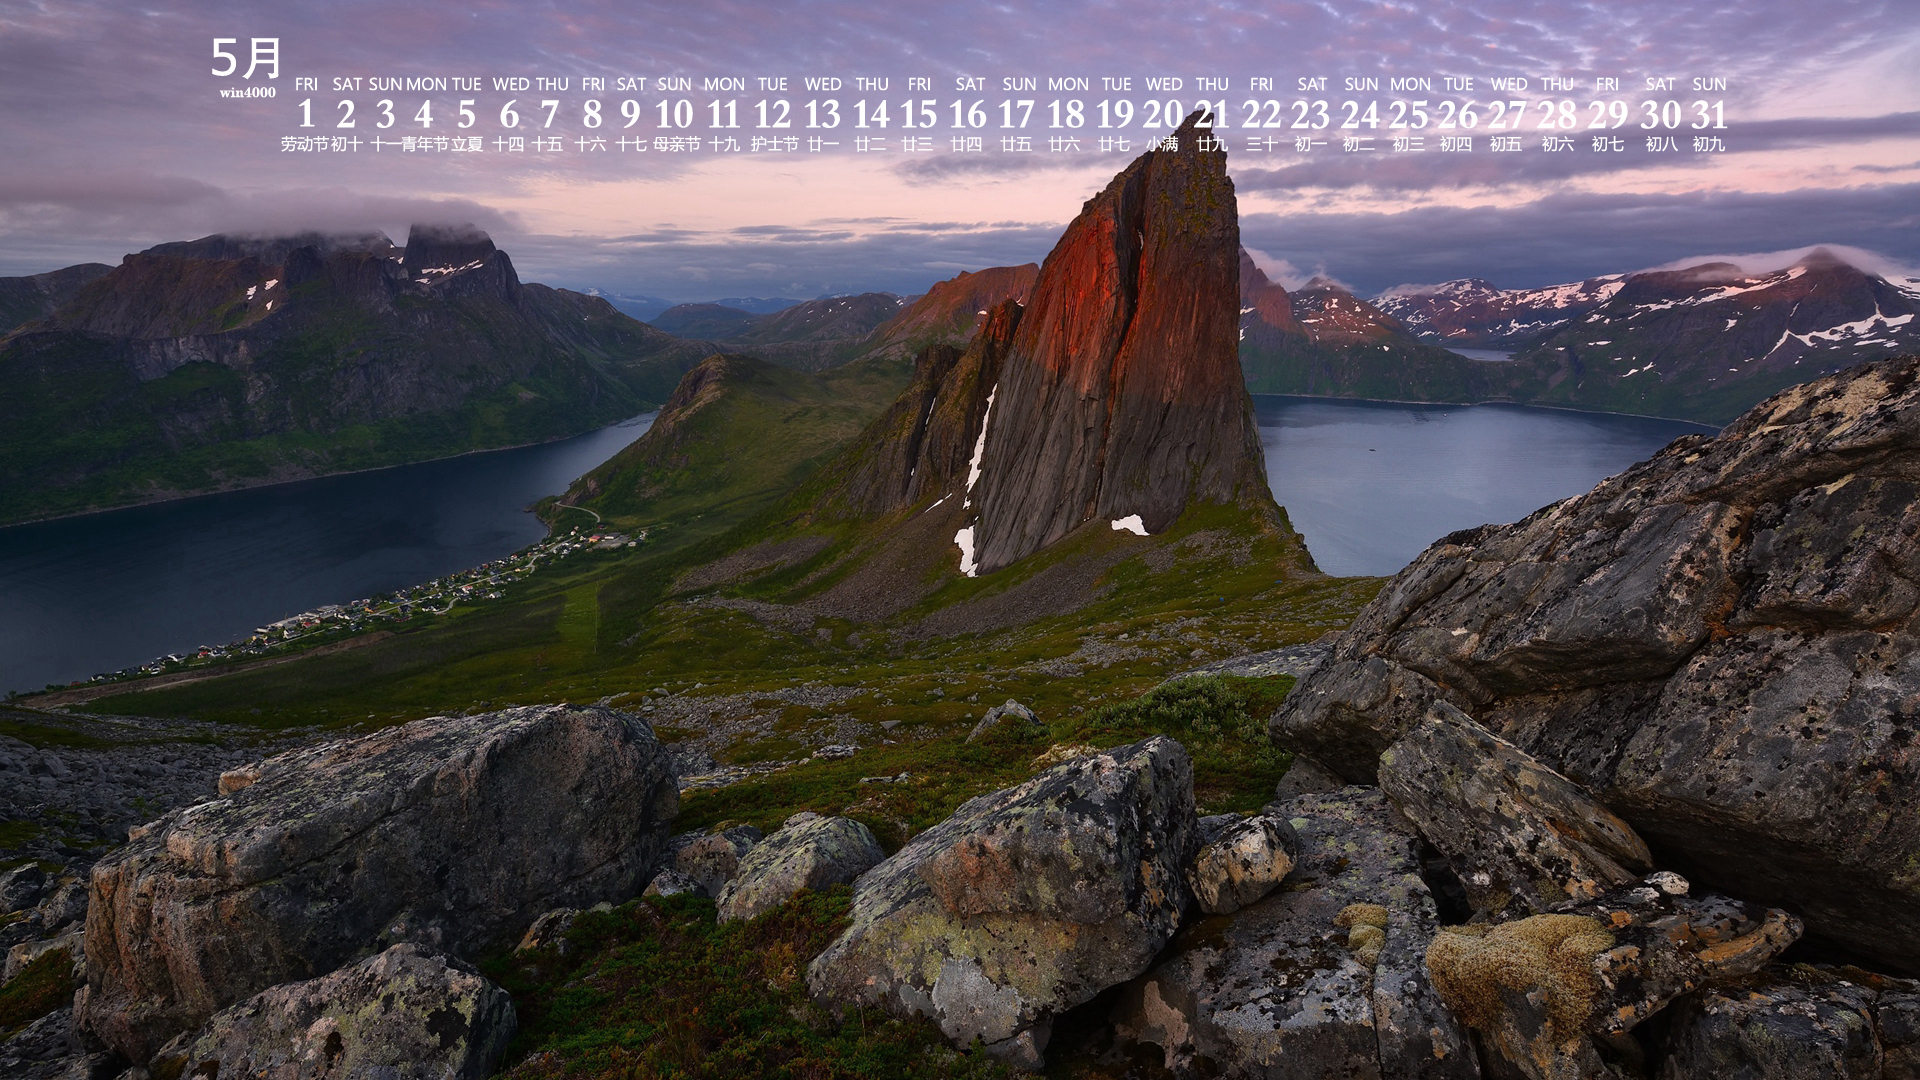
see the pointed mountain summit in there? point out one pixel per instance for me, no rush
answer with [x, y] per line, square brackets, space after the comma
[1099, 433]
[1120, 397]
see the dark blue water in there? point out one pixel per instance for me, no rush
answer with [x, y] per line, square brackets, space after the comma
[107, 591]
[1371, 484]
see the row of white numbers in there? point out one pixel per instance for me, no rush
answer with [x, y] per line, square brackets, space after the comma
[927, 113]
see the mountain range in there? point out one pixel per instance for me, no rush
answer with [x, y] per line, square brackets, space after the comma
[1702, 343]
[231, 361]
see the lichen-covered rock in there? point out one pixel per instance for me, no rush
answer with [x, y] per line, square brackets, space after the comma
[405, 1014]
[1791, 1025]
[454, 832]
[1012, 718]
[808, 852]
[549, 931]
[1719, 643]
[1025, 903]
[712, 860]
[1241, 863]
[1321, 978]
[1515, 831]
[672, 882]
[1548, 993]
[1896, 1016]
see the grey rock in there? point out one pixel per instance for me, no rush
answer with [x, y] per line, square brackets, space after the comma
[45, 1050]
[1208, 829]
[672, 882]
[73, 943]
[1719, 643]
[691, 760]
[66, 903]
[404, 1014]
[808, 852]
[1305, 776]
[1776, 1030]
[1514, 831]
[1242, 863]
[713, 860]
[441, 832]
[22, 887]
[1321, 978]
[1547, 992]
[549, 931]
[1011, 718]
[1025, 903]
[1896, 1017]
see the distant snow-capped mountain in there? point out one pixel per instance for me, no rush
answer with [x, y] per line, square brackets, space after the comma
[1474, 313]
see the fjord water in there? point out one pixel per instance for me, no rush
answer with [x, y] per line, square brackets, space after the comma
[1371, 484]
[106, 591]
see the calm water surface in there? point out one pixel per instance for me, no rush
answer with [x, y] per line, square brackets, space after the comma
[107, 591]
[1370, 485]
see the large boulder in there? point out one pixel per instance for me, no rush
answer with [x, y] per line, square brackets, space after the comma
[1025, 903]
[712, 860]
[1321, 978]
[1553, 995]
[1519, 835]
[453, 832]
[405, 1014]
[1241, 862]
[1776, 1032]
[807, 852]
[1789, 1022]
[1718, 642]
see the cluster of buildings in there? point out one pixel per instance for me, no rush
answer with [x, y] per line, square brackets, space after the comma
[436, 597]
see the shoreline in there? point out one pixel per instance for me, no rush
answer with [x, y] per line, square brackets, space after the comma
[80, 695]
[1489, 401]
[318, 476]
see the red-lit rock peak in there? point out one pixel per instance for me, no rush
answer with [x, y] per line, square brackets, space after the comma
[1121, 398]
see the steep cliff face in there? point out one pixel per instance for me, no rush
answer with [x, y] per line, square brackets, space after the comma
[925, 443]
[1121, 396]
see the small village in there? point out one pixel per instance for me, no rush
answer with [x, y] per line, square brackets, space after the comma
[337, 621]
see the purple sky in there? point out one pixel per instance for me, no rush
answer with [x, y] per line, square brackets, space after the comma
[116, 137]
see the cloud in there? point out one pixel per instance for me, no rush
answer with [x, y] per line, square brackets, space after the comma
[1763, 262]
[52, 220]
[1282, 272]
[1386, 170]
